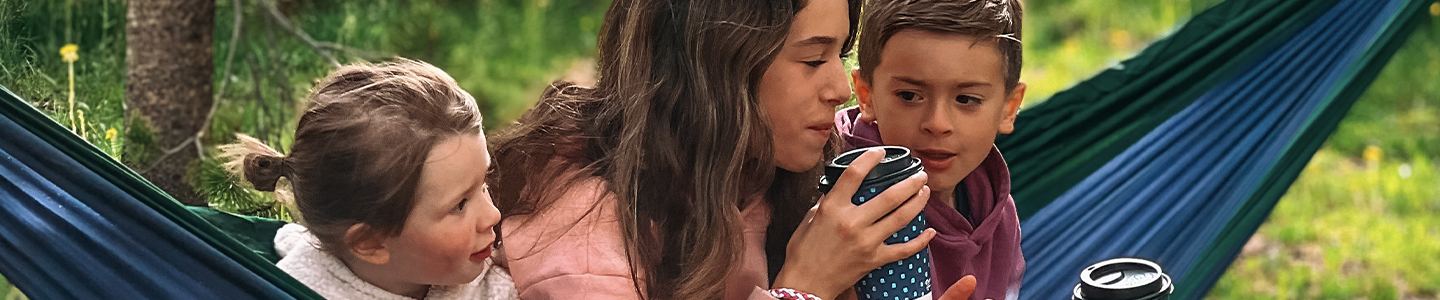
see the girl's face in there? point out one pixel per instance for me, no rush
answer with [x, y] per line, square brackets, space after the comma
[804, 84]
[450, 232]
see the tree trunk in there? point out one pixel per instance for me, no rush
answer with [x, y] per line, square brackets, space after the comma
[168, 87]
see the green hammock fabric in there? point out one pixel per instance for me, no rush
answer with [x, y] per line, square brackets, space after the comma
[255, 233]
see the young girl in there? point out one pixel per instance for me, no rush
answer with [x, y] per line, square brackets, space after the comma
[388, 177]
[682, 173]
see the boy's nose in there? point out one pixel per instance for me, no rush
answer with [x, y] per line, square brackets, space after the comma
[935, 122]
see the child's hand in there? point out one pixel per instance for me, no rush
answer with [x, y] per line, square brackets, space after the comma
[838, 242]
[961, 290]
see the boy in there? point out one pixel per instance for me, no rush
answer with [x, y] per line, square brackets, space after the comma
[941, 77]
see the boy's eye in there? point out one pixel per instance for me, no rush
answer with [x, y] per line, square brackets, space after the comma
[815, 63]
[908, 96]
[967, 100]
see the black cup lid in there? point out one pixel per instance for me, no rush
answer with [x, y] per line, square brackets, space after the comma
[1123, 278]
[897, 161]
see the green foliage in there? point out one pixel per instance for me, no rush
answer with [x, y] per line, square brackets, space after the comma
[224, 191]
[1067, 41]
[502, 52]
[30, 65]
[8, 292]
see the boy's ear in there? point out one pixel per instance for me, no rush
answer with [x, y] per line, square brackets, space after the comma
[1012, 108]
[862, 95]
[366, 245]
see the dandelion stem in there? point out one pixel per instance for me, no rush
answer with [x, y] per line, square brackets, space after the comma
[73, 124]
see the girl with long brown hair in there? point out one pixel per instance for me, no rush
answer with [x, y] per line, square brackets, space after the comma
[685, 171]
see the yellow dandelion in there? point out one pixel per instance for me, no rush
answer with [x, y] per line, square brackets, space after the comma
[111, 134]
[1070, 47]
[70, 53]
[1372, 154]
[1435, 9]
[1120, 39]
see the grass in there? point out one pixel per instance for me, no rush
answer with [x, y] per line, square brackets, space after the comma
[34, 32]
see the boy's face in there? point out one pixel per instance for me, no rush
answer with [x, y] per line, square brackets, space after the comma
[943, 96]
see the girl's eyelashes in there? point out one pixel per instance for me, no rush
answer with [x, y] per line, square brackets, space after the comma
[460, 207]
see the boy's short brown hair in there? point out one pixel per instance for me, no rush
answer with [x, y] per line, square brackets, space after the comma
[998, 19]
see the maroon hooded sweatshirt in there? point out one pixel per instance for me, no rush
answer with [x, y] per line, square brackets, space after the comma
[988, 248]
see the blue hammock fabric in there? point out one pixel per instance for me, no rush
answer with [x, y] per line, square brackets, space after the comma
[1182, 188]
[71, 229]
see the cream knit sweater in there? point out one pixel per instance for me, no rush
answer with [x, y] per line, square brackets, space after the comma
[327, 275]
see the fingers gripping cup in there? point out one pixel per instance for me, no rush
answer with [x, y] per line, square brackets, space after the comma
[908, 278]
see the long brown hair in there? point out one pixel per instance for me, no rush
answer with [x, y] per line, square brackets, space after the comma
[676, 132]
[360, 146]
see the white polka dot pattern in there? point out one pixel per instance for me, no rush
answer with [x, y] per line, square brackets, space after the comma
[905, 279]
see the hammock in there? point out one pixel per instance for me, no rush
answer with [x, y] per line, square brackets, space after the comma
[1176, 155]
[76, 224]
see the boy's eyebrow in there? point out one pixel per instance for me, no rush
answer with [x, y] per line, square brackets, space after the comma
[968, 84]
[911, 81]
[817, 40]
[920, 82]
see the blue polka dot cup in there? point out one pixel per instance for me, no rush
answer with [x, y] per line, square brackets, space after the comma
[907, 278]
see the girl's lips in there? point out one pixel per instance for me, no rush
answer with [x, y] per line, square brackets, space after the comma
[823, 130]
[821, 133]
[480, 256]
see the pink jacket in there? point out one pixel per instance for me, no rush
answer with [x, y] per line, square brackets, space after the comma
[574, 250]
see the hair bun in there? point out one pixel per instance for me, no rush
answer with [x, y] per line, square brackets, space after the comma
[263, 171]
[250, 159]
